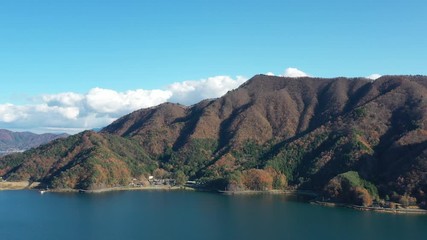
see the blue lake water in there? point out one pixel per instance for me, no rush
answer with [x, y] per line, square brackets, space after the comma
[190, 215]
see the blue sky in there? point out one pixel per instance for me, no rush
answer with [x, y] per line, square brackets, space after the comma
[52, 47]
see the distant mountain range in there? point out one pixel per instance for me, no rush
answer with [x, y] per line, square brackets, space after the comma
[351, 140]
[11, 142]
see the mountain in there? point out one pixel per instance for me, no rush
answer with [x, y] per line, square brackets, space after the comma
[352, 140]
[19, 141]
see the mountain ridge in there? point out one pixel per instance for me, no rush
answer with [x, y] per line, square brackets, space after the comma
[312, 133]
[19, 141]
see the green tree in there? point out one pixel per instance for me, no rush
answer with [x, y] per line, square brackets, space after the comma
[180, 178]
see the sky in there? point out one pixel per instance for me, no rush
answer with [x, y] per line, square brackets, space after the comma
[66, 66]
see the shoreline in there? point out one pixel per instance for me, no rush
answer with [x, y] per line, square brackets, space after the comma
[13, 186]
[116, 189]
[306, 193]
[417, 211]
[274, 192]
[25, 185]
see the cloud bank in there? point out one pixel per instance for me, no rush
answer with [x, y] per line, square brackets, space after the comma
[74, 112]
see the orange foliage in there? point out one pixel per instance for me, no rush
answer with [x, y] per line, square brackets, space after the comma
[279, 179]
[257, 179]
[362, 196]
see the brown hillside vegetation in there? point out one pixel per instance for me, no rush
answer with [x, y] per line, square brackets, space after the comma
[309, 130]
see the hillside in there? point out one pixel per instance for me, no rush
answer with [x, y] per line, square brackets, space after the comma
[87, 160]
[19, 141]
[353, 140]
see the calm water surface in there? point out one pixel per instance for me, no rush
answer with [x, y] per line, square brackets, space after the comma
[190, 215]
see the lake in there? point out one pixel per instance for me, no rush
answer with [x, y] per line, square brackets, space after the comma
[190, 215]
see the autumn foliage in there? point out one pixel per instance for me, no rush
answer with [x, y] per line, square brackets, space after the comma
[361, 196]
[349, 187]
[257, 179]
[315, 133]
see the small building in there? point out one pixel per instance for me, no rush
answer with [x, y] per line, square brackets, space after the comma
[191, 183]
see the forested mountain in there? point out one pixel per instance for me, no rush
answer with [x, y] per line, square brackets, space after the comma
[20, 141]
[352, 140]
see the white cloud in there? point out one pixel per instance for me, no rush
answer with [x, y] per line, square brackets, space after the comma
[294, 73]
[104, 100]
[68, 112]
[190, 92]
[270, 74]
[10, 113]
[63, 99]
[374, 76]
[109, 101]
[73, 112]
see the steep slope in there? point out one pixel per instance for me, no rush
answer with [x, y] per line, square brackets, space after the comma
[352, 139]
[20, 141]
[147, 126]
[264, 108]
